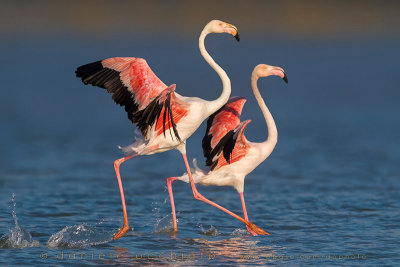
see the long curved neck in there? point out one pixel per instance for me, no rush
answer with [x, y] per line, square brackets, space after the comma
[214, 105]
[272, 138]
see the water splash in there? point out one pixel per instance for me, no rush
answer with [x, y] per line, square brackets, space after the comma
[164, 224]
[212, 231]
[17, 237]
[240, 232]
[80, 236]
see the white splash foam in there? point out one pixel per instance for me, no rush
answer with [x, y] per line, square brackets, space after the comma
[240, 232]
[212, 231]
[164, 224]
[78, 236]
[17, 237]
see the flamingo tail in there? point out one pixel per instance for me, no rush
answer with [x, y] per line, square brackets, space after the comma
[197, 173]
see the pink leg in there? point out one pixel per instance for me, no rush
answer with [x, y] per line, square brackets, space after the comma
[245, 214]
[171, 197]
[125, 227]
[198, 196]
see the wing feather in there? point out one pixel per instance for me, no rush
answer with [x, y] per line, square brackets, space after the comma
[134, 85]
[231, 148]
[219, 126]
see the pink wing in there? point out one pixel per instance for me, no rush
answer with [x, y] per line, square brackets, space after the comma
[126, 77]
[222, 122]
[134, 85]
[231, 148]
[137, 76]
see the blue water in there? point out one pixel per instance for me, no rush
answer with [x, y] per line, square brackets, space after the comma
[328, 194]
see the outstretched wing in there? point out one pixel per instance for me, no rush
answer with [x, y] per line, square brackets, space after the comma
[231, 148]
[130, 80]
[134, 86]
[221, 122]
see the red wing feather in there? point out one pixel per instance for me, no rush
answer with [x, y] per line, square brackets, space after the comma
[167, 120]
[164, 111]
[235, 147]
[220, 124]
[226, 119]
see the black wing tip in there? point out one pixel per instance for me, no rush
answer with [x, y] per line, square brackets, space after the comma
[95, 74]
[224, 146]
[88, 69]
[285, 78]
[228, 145]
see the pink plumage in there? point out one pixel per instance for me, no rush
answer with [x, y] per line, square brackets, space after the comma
[165, 118]
[230, 157]
[239, 150]
[137, 76]
[227, 118]
[224, 142]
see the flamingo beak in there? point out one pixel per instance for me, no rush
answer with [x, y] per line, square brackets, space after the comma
[279, 73]
[285, 78]
[229, 28]
[237, 37]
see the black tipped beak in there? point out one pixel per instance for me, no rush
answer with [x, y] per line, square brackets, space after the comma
[285, 78]
[237, 37]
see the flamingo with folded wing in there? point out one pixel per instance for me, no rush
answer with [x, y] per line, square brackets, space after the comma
[230, 157]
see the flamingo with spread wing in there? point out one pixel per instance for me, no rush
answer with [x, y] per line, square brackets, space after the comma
[165, 118]
[230, 157]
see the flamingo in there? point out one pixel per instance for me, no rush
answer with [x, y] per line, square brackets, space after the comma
[230, 157]
[165, 118]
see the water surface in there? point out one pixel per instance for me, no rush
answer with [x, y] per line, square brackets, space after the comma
[328, 194]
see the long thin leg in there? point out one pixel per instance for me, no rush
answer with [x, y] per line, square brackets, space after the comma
[198, 196]
[171, 197]
[245, 213]
[125, 227]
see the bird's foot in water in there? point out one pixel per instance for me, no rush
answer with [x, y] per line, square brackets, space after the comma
[121, 232]
[256, 229]
[251, 231]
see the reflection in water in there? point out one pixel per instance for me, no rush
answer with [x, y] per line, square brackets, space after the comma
[239, 250]
[124, 257]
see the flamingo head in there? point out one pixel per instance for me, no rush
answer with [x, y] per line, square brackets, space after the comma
[217, 26]
[263, 70]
